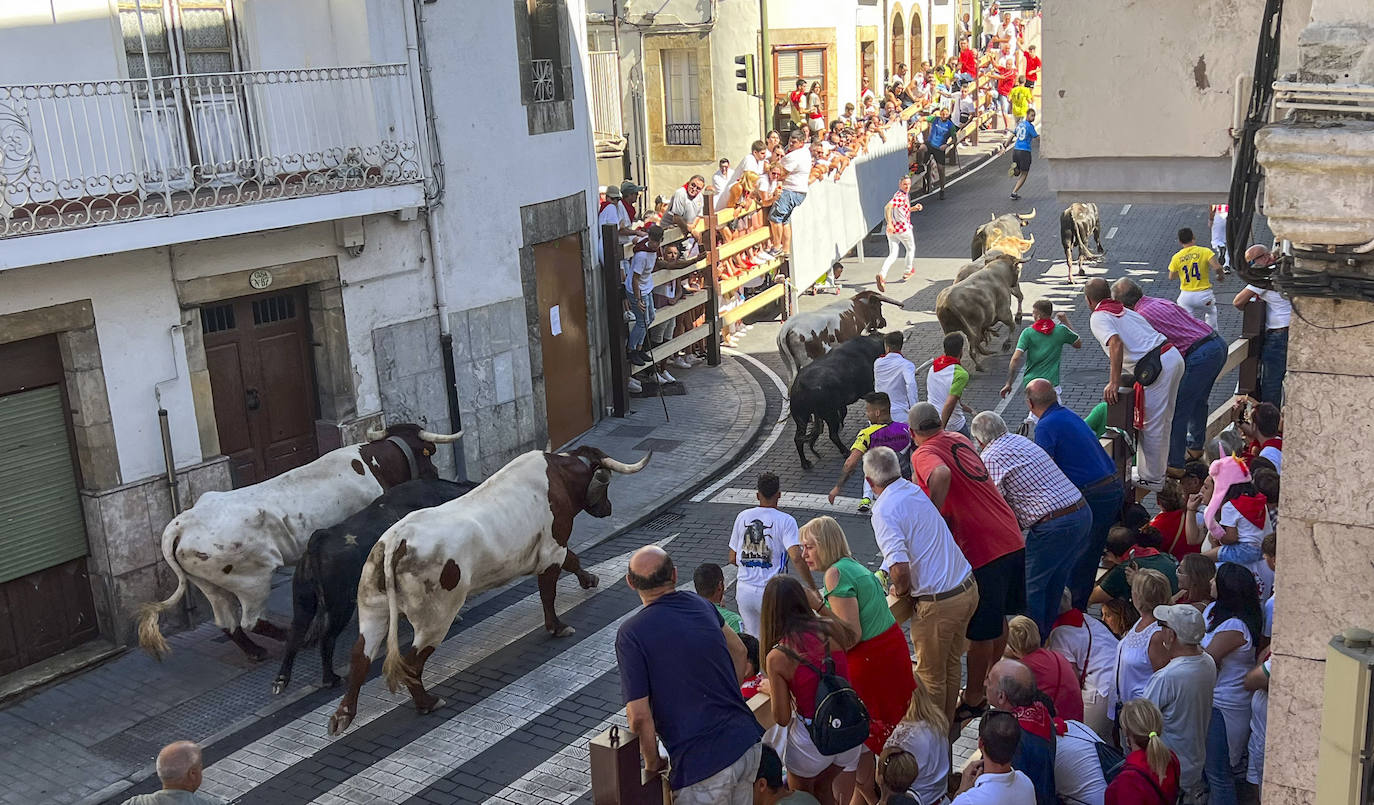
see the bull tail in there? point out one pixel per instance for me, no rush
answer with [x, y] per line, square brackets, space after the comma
[149, 634]
[394, 668]
[320, 623]
[789, 361]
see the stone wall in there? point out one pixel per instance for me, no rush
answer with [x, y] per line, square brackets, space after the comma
[500, 415]
[124, 527]
[410, 378]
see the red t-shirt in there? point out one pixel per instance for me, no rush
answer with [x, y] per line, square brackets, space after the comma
[1170, 524]
[1055, 677]
[811, 648]
[983, 525]
[968, 62]
[1006, 79]
[1032, 67]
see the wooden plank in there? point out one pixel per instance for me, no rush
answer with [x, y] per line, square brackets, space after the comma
[681, 342]
[681, 306]
[729, 214]
[667, 275]
[762, 707]
[671, 234]
[739, 244]
[730, 284]
[1235, 355]
[754, 303]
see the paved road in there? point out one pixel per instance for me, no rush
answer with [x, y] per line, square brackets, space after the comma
[521, 706]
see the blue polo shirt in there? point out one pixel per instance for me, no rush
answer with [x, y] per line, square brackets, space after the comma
[674, 652]
[1073, 446]
[940, 130]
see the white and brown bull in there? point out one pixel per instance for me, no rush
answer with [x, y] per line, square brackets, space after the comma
[981, 299]
[230, 543]
[1078, 222]
[806, 336]
[1001, 226]
[424, 568]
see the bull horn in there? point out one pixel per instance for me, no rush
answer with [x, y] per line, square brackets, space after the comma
[888, 299]
[626, 469]
[440, 438]
[373, 434]
[1027, 217]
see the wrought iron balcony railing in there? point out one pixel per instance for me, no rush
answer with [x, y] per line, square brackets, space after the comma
[683, 134]
[100, 152]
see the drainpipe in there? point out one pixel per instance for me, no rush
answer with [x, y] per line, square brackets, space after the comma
[434, 229]
[766, 63]
[168, 461]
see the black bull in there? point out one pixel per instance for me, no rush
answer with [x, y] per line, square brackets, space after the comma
[824, 388]
[324, 589]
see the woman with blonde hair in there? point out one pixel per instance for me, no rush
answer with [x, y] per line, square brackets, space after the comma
[1150, 774]
[1149, 589]
[1054, 674]
[879, 664]
[924, 734]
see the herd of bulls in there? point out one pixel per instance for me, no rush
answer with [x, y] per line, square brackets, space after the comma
[372, 526]
[830, 352]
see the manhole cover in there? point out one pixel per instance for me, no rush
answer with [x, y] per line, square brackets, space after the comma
[662, 522]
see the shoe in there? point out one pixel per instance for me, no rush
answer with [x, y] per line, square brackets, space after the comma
[1014, 197]
[681, 362]
[635, 387]
[908, 275]
[664, 377]
[942, 195]
[637, 358]
[865, 505]
[882, 284]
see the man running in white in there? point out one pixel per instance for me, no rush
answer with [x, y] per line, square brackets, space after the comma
[898, 216]
[1216, 218]
[895, 376]
[763, 544]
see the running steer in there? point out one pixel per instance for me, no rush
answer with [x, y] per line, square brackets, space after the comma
[1077, 223]
[975, 304]
[824, 388]
[324, 589]
[425, 567]
[807, 336]
[229, 543]
[1001, 226]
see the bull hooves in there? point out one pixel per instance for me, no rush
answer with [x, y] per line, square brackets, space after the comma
[256, 653]
[331, 681]
[806, 465]
[279, 685]
[426, 709]
[563, 630]
[588, 580]
[338, 723]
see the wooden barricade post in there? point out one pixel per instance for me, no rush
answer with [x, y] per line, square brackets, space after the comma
[611, 254]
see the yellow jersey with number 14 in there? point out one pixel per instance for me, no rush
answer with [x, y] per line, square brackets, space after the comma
[1193, 264]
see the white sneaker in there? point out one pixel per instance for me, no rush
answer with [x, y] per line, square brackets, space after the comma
[664, 378]
[635, 387]
[681, 362]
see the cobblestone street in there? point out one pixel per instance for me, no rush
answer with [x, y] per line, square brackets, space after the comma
[521, 706]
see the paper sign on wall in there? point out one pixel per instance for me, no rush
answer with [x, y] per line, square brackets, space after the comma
[555, 321]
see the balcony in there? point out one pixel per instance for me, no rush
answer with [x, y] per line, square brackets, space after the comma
[82, 155]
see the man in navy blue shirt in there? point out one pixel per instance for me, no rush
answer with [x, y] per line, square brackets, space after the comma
[1079, 454]
[1021, 152]
[680, 672]
[941, 137]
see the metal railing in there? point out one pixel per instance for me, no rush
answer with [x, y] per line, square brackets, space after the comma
[682, 134]
[99, 152]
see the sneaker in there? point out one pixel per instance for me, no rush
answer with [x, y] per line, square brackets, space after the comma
[865, 505]
[681, 362]
[664, 377]
[637, 358]
[635, 387]
[1014, 197]
[882, 284]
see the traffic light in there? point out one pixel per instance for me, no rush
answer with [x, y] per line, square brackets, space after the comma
[744, 71]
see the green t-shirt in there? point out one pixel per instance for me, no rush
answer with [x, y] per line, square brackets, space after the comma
[1114, 583]
[1097, 419]
[857, 581]
[1043, 351]
[731, 619]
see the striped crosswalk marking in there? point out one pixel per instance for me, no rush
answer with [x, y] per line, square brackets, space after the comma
[1111, 233]
[790, 500]
[288, 745]
[1125, 208]
[426, 760]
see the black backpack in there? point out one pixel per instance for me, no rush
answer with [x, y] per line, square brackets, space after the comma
[1108, 757]
[841, 720]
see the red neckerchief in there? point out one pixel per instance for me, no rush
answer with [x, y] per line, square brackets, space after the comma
[1035, 720]
[604, 204]
[1073, 619]
[1061, 727]
[796, 97]
[1110, 306]
[1043, 326]
[1252, 507]
[1253, 449]
[630, 209]
[1140, 552]
[944, 361]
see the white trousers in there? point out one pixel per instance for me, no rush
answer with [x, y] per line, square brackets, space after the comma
[905, 239]
[1152, 455]
[750, 600]
[1201, 304]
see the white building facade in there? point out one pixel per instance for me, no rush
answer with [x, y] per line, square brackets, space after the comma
[268, 227]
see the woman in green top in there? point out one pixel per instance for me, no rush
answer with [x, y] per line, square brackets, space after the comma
[1130, 551]
[879, 663]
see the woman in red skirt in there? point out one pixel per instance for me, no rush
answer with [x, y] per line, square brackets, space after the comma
[880, 663]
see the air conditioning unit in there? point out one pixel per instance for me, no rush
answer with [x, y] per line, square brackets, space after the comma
[1345, 762]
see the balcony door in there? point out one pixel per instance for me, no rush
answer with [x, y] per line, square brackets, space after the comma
[189, 102]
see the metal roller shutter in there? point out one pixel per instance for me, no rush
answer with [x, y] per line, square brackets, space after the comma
[41, 524]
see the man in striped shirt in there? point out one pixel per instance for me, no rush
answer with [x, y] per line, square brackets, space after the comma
[1048, 507]
[1204, 353]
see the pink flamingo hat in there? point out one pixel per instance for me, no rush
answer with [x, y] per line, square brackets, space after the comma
[1226, 472]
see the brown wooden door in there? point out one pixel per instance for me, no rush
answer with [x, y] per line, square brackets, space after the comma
[562, 299]
[46, 606]
[257, 349]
